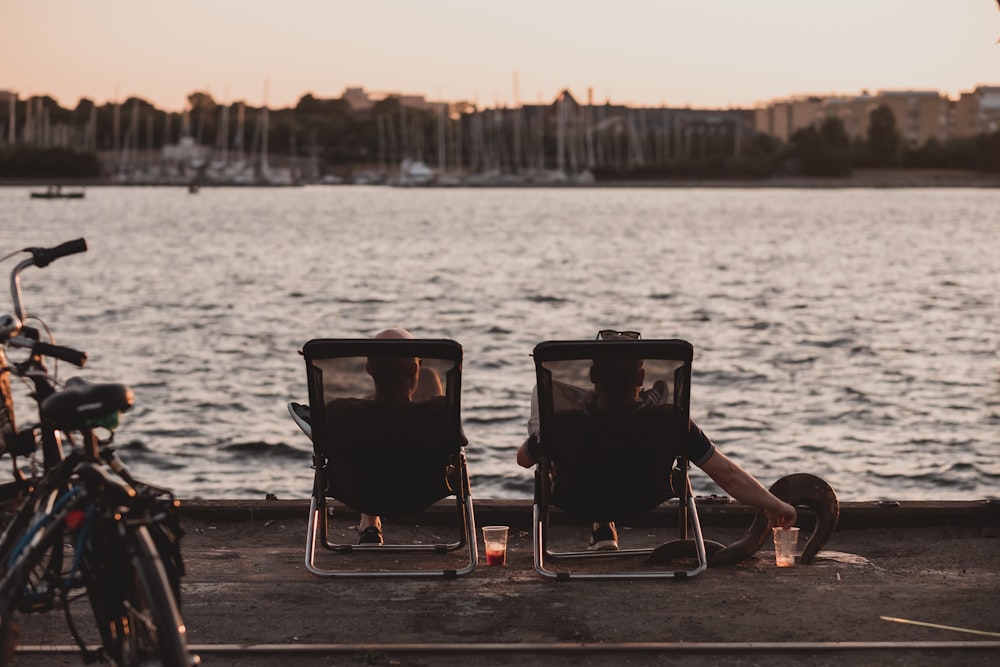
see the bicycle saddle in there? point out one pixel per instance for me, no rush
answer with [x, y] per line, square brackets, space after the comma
[82, 402]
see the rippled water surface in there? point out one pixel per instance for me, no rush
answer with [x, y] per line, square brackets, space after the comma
[849, 333]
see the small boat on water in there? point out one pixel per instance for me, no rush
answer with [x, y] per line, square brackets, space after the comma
[413, 173]
[56, 192]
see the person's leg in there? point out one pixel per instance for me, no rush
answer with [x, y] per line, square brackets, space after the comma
[603, 537]
[370, 529]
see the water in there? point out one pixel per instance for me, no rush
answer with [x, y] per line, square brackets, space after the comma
[847, 333]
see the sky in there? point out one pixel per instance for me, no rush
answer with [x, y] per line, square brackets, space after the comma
[699, 53]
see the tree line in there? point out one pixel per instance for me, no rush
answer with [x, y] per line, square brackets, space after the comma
[826, 149]
[54, 142]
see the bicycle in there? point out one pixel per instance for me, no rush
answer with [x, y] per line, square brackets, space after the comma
[84, 527]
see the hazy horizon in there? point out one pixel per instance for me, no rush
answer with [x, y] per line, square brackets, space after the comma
[707, 54]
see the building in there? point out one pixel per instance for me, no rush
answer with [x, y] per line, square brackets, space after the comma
[783, 118]
[921, 115]
[977, 112]
[853, 112]
[361, 101]
[358, 99]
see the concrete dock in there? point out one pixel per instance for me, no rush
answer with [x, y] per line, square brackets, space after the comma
[904, 583]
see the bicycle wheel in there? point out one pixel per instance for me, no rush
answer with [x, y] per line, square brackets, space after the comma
[33, 562]
[134, 605]
[10, 635]
[34, 575]
[38, 501]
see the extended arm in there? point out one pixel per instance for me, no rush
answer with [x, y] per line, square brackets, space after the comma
[745, 488]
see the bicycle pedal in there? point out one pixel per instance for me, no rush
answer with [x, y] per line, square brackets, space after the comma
[35, 606]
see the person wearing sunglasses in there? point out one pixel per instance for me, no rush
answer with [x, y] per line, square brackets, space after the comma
[617, 394]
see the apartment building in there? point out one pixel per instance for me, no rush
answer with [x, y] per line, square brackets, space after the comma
[977, 112]
[921, 115]
[853, 112]
[784, 118]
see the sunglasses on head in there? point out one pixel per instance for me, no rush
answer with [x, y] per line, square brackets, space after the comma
[611, 334]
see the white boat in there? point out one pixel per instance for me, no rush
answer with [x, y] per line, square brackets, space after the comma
[413, 173]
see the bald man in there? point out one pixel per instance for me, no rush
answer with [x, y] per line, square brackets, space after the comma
[398, 382]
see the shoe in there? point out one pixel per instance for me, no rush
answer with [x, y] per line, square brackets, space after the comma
[370, 535]
[604, 538]
[300, 414]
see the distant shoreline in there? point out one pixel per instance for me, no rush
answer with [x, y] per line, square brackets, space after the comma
[861, 178]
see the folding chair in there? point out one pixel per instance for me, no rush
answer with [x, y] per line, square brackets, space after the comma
[386, 460]
[615, 469]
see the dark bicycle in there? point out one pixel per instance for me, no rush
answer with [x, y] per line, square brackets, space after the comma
[78, 524]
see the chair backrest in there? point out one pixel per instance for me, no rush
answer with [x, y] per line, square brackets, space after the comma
[378, 458]
[612, 467]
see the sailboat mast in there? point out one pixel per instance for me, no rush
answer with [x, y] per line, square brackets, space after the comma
[515, 158]
[263, 140]
[561, 111]
[116, 127]
[240, 121]
[12, 99]
[223, 133]
[442, 146]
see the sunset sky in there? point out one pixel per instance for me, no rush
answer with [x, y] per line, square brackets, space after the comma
[703, 53]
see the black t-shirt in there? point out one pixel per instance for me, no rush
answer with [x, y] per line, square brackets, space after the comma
[648, 428]
[389, 459]
[615, 466]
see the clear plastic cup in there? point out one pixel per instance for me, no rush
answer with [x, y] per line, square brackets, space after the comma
[785, 541]
[495, 539]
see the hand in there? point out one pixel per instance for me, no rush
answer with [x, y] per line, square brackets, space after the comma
[783, 516]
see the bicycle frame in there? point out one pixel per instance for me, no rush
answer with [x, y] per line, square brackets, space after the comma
[15, 333]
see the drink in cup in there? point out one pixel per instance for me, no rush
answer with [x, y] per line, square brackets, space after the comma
[495, 539]
[785, 540]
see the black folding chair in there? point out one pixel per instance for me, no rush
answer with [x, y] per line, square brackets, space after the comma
[601, 470]
[387, 460]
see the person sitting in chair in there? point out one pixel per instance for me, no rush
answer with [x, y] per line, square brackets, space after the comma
[620, 405]
[399, 383]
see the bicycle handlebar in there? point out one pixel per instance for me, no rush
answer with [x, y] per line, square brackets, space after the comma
[15, 333]
[44, 256]
[40, 257]
[76, 357]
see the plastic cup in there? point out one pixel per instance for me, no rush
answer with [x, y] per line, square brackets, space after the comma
[495, 539]
[785, 540]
